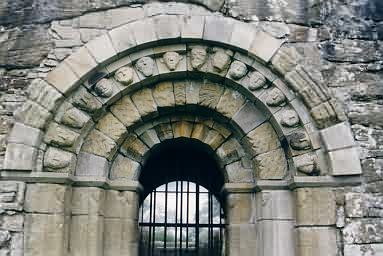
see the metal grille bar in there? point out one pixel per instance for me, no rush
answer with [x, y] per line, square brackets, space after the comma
[181, 218]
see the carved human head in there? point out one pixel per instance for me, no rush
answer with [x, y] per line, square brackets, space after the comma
[198, 56]
[290, 118]
[307, 163]
[124, 75]
[221, 59]
[171, 60]
[237, 70]
[275, 98]
[104, 88]
[145, 65]
[256, 81]
[299, 141]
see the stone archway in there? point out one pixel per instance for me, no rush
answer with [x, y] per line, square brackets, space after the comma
[92, 121]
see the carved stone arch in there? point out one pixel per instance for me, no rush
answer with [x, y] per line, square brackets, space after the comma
[254, 82]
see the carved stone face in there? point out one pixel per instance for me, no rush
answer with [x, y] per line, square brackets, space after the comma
[198, 57]
[171, 60]
[146, 66]
[124, 75]
[299, 141]
[221, 60]
[104, 88]
[307, 164]
[275, 98]
[290, 118]
[237, 70]
[256, 81]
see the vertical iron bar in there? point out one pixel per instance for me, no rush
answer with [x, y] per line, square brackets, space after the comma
[150, 226]
[197, 219]
[187, 215]
[154, 221]
[175, 237]
[181, 199]
[166, 215]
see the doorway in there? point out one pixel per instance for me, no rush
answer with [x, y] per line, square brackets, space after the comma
[181, 212]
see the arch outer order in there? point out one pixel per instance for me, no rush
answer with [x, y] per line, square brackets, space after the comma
[254, 47]
[65, 118]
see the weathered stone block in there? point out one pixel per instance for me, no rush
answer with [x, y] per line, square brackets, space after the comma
[99, 144]
[47, 198]
[86, 101]
[180, 93]
[11, 196]
[315, 206]
[265, 46]
[112, 127]
[32, 114]
[285, 59]
[337, 136]
[134, 148]
[243, 35]
[122, 38]
[182, 129]
[163, 94]
[248, 117]
[218, 29]
[230, 151]
[13, 223]
[20, 157]
[209, 95]
[125, 111]
[213, 139]
[316, 241]
[240, 208]
[44, 233]
[230, 102]
[101, 48]
[167, 27]
[60, 135]
[144, 31]
[86, 235]
[125, 168]
[122, 205]
[88, 201]
[26, 135]
[121, 237]
[355, 205]
[91, 165]
[363, 231]
[150, 138]
[57, 160]
[237, 173]
[192, 27]
[275, 205]
[44, 94]
[62, 78]
[262, 139]
[345, 162]
[81, 62]
[144, 102]
[122, 15]
[276, 238]
[241, 239]
[271, 165]
[363, 250]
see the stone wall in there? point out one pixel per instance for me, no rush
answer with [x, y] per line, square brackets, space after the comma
[341, 42]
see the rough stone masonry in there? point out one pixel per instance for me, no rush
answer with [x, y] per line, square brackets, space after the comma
[341, 45]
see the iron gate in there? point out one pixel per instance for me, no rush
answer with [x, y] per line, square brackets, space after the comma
[181, 218]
